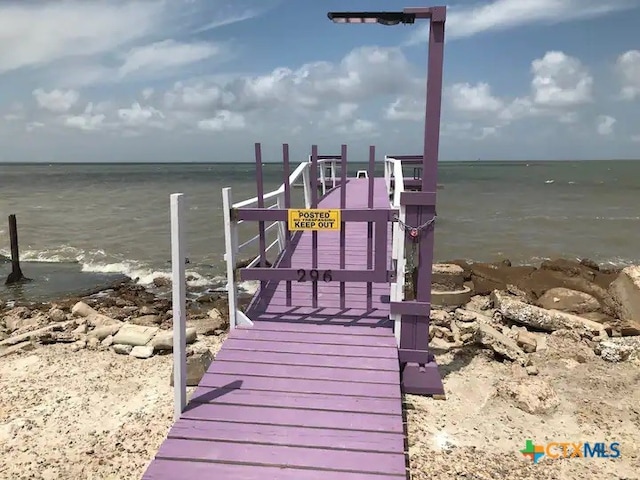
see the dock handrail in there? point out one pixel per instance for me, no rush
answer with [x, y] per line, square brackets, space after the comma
[393, 171]
[232, 245]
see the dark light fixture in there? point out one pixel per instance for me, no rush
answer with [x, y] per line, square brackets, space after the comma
[383, 18]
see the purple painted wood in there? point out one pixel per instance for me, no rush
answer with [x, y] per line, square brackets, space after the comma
[305, 349]
[282, 435]
[305, 401]
[343, 205]
[319, 329]
[185, 470]
[337, 461]
[365, 422]
[287, 204]
[306, 372]
[314, 234]
[370, 195]
[321, 396]
[418, 378]
[304, 337]
[297, 385]
[260, 194]
[274, 358]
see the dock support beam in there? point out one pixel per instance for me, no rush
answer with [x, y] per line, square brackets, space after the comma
[419, 370]
[179, 304]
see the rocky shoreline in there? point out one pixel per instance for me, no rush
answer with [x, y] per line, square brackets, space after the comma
[518, 346]
[502, 307]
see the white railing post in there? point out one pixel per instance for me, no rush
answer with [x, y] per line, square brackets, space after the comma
[387, 180]
[306, 184]
[280, 202]
[393, 171]
[333, 174]
[179, 304]
[323, 177]
[230, 243]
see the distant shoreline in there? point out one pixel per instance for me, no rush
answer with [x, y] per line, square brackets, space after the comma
[252, 162]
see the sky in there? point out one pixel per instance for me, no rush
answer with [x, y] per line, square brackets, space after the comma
[202, 80]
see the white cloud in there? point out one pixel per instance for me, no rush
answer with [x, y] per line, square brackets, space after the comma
[405, 108]
[77, 41]
[89, 120]
[468, 20]
[628, 69]
[559, 84]
[223, 120]
[57, 101]
[358, 127]
[37, 33]
[165, 54]
[137, 116]
[364, 73]
[147, 93]
[560, 81]
[605, 125]
[474, 98]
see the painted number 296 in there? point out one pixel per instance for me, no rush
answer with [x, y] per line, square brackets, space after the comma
[314, 275]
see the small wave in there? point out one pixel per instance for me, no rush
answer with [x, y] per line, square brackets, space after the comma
[97, 261]
[549, 181]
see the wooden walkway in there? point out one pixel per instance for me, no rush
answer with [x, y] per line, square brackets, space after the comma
[305, 393]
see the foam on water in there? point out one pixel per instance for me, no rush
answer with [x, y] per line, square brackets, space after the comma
[97, 261]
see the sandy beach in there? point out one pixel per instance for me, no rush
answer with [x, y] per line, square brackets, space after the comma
[71, 407]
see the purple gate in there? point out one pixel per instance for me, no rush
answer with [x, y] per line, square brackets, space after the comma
[375, 269]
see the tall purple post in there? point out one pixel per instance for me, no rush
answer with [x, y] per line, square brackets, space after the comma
[419, 370]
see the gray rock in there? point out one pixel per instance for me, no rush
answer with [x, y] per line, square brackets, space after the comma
[197, 365]
[620, 349]
[625, 291]
[142, 351]
[540, 318]
[441, 318]
[147, 320]
[122, 349]
[135, 335]
[529, 394]
[163, 341]
[501, 344]
[527, 341]
[57, 315]
[103, 332]
[463, 315]
[147, 310]
[567, 300]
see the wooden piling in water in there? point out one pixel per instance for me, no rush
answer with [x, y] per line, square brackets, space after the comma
[16, 274]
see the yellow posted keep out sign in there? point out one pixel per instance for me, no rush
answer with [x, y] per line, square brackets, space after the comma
[313, 219]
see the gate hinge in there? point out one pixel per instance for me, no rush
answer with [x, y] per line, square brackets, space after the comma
[391, 276]
[233, 214]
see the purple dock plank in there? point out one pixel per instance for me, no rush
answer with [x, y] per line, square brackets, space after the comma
[275, 384]
[305, 349]
[162, 469]
[303, 337]
[274, 358]
[311, 458]
[305, 372]
[365, 422]
[321, 329]
[307, 401]
[281, 435]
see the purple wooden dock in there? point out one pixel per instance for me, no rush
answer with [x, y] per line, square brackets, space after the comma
[306, 392]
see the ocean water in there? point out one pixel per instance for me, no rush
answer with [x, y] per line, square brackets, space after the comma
[115, 218]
